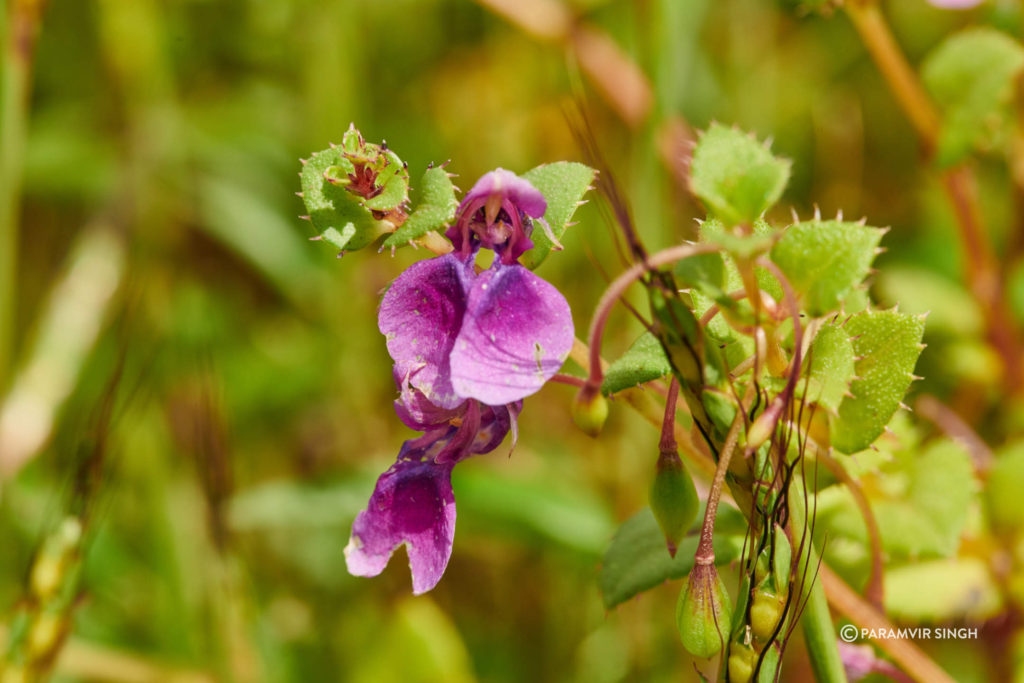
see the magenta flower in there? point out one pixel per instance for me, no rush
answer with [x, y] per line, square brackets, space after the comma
[467, 348]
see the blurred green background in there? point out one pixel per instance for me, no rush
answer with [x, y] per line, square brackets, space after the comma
[158, 220]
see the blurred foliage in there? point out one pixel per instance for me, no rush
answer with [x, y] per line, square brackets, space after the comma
[255, 405]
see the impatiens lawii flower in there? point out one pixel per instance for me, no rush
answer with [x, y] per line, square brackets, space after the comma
[468, 347]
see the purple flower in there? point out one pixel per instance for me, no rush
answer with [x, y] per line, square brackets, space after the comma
[467, 348]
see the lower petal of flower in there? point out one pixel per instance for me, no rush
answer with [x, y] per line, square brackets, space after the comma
[412, 504]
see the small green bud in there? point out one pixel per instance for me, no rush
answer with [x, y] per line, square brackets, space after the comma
[766, 611]
[704, 612]
[590, 410]
[742, 660]
[673, 499]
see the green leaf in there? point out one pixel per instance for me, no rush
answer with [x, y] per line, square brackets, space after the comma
[831, 367]
[644, 361]
[703, 272]
[637, 561]
[824, 260]
[928, 514]
[735, 176]
[435, 211]
[941, 591]
[563, 185]
[887, 344]
[338, 216]
[920, 499]
[971, 78]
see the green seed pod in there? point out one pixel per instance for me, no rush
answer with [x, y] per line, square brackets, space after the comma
[589, 411]
[766, 609]
[673, 499]
[703, 613]
[742, 660]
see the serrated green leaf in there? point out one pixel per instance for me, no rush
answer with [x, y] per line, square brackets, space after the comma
[971, 77]
[735, 176]
[831, 367]
[563, 185]
[825, 260]
[643, 362]
[941, 591]
[435, 211]
[331, 207]
[887, 344]
[637, 560]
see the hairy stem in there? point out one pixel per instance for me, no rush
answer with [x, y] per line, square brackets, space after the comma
[667, 443]
[705, 548]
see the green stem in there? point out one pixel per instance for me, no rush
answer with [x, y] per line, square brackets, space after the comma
[819, 631]
[19, 40]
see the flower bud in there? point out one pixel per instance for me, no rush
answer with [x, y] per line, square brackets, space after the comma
[673, 499]
[704, 613]
[590, 410]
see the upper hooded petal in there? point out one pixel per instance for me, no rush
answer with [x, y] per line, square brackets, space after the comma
[413, 504]
[516, 332]
[506, 185]
[421, 315]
